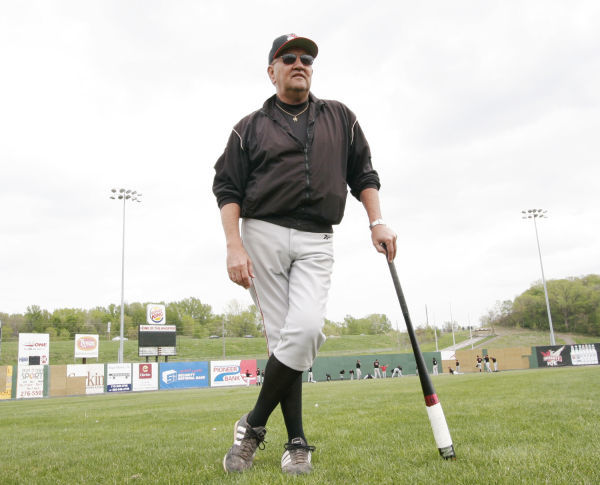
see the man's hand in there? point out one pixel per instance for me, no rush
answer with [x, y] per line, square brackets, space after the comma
[239, 266]
[383, 235]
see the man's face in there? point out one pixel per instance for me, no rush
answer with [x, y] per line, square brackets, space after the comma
[292, 81]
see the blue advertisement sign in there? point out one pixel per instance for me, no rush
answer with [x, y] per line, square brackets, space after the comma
[179, 375]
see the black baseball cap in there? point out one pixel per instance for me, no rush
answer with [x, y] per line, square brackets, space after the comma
[288, 41]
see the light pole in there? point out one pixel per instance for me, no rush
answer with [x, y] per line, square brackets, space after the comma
[223, 339]
[452, 323]
[132, 196]
[541, 214]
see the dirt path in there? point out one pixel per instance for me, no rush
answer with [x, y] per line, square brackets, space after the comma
[566, 337]
[501, 331]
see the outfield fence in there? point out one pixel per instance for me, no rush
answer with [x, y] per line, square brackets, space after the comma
[34, 381]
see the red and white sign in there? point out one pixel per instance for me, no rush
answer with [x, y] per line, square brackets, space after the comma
[156, 314]
[145, 376]
[232, 373]
[86, 346]
[34, 345]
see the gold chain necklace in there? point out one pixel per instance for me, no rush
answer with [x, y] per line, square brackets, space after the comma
[294, 116]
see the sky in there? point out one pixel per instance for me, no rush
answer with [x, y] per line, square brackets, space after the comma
[473, 110]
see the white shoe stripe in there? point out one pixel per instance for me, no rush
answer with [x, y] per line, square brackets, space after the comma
[286, 458]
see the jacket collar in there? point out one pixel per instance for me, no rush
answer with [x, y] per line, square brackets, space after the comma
[315, 104]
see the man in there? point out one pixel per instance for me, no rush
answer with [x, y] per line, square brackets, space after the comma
[311, 377]
[358, 371]
[285, 172]
[397, 371]
[376, 370]
[435, 366]
[487, 363]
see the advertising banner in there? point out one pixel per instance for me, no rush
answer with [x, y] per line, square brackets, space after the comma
[93, 373]
[232, 373]
[156, 314]
[34, 349]
[145, 376]
[553, 356]
[584, 354]
[30, 381]
[6, 374]
[86, 346]
[118, 377]
[178, 375]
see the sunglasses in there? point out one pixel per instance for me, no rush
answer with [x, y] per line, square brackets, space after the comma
[291, 58]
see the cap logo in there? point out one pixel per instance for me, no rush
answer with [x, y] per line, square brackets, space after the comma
[291, 36]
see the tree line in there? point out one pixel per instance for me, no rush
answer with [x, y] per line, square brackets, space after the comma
[574, 307]
[192, 318]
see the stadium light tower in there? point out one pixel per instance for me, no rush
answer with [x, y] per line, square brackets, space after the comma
[132, 196]
[541, 214]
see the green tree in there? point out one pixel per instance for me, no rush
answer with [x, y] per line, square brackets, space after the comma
[36, 319]
[332, 328]
[574, 303]
[241, 321]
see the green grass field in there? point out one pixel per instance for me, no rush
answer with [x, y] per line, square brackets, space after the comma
[62, 351]
[535, 426]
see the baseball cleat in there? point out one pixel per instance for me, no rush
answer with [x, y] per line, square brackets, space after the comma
[246, 440]
[296, 457]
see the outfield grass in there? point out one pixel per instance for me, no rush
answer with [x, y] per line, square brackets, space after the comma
[189, 349]
[536, 426]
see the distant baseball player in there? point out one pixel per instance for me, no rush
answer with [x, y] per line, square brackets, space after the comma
[358, 371]
[285, 173]
[376, 370]
[487, 363]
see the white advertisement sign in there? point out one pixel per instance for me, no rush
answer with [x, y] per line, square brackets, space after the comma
[145, 376]
[34, 345]
[86, 346]
[118, 377]
[156, 314]
[94, 374]
[30, 381]
[232, 373]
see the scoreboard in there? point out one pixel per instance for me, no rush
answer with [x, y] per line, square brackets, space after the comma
[157, 340]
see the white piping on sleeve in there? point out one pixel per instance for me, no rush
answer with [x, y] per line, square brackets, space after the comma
[239, 136]
[352, 132]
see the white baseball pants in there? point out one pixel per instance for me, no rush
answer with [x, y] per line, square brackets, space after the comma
[292, 278]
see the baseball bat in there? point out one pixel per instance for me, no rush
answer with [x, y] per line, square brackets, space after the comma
[441, 433]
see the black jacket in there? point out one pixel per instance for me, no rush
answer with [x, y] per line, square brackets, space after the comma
[273, 176]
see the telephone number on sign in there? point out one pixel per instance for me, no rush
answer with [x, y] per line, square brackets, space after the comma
[32, 394]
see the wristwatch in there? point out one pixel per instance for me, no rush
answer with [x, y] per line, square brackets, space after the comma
[376, 222]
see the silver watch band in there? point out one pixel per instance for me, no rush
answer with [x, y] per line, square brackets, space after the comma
[376, 222]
